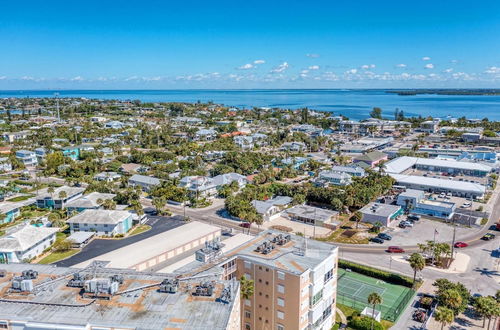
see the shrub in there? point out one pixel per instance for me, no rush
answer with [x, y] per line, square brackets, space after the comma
[377, 273]
[282, 228]
[365, 323]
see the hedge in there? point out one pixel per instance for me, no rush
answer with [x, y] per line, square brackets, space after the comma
[365, 323]
[377, 273]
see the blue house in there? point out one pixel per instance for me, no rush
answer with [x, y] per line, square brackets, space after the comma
[10, 210]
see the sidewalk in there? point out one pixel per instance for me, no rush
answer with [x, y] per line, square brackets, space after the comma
[459, 265]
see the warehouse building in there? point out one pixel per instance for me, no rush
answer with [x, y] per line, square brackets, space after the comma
[401, 164]
[435, 185]
[386, 214]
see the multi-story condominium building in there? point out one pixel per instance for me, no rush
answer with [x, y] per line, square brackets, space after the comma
[59, 198]
[28, 158]
[295, 281]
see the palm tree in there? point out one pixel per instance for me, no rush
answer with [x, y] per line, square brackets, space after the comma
[452, 299]
[374, 299]
[63, 195]
[109, 204]
[51, 190]
[246, 287]
[158, 203]
[444, 316]
[487, 307]
[417, 263]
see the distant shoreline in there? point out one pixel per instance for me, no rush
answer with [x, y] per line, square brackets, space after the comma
[411, 92]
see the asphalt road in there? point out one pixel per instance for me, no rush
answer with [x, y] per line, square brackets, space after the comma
[100, 246]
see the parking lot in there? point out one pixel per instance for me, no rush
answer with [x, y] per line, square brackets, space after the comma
[423, 231]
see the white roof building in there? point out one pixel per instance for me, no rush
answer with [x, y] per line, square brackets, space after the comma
[26, 243]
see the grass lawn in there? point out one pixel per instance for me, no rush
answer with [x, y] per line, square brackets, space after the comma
[56, 256]
[20, 198]
[348, 312]
[139, 229]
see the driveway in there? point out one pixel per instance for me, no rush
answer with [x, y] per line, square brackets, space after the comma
[100, 246]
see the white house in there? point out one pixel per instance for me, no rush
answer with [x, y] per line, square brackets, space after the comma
[26, 243]
[145, 182]
[103, 222]
[28, 158]
[5, 164]
[199, 186]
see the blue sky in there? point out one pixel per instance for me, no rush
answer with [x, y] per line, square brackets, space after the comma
[249, 44]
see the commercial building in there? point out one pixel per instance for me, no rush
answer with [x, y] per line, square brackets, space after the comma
[59, 198]
[28, 158]
[402, 164]
[435, 185]
[415, 202]
[372, 159]
[145, 182]
[48, 297]
[313, 216]
[26, 243]
[151, 253]
[102, 222]
[386, 214]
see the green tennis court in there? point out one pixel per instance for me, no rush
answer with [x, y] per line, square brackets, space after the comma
[353, 290]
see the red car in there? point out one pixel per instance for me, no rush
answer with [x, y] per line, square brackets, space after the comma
[461, 245]
[245, 224]
[395, 249]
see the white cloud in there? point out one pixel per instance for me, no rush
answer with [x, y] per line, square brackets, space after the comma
[312, 55]
[352, 71]
[259, 62]
[77, 78]
[493, 70]
[426, 58]
[448, 70]
[429, 66]
[246, 66]
[3, 77]
[368, 66]
[27, 78]
[454, 61]
[314, 67]
[131, 78]
[304, 71]
[401, 65]
[280, 68]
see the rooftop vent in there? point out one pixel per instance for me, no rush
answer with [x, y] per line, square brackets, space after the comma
[22, 284]
[205, 289]
[225, 295]
[281, 239]
[265, 248]
[210, 252]
[3, 272]
[103, 287]
[169, 285]
[29, 274]
[78, 280]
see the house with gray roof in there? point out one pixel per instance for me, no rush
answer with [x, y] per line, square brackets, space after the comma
[102, 222]
[59, 198]
[90, 201]
[313, 215]
[145, 182]
[386, 214]
[26, 243]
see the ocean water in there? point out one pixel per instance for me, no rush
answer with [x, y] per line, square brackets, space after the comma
[355, 104]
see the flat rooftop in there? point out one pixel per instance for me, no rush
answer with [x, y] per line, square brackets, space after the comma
[143, 250]
[436, 183]
[137, 305]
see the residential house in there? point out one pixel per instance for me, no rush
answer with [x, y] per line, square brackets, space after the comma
[271, 208]
[26, 243]
[5, 164]
[327, 178]
[114, 124]
[107, 176]
[199, 186]
[229, 178]
[55, 201]
[293, 146]
[28, 158]
[145, 182]
[351, 170]
[71, 152]
[429, 126]
[244, 141]
[205, 135]
[103, 222]
[41, 153]
[92, 201]
[10, 211]
[15, 136]
[372, 159]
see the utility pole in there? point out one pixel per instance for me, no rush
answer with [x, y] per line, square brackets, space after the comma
[453, 241]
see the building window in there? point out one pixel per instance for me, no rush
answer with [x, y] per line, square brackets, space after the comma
[248, 302]
[280, 327]
[328, 275]
[247, 326]
[247, 264]
[281, 275]
[247, 314]
[281, 288]
[281, 302]
[280, 315]
[248, 276]
[317, 297]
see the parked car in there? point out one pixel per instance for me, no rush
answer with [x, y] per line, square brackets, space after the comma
[413, 217]
[488, 237]
[385, 236]
[245, 224]
[442, 195]
[377, 240]
[404, 224]
[395, 249]
[461, 245]
[466, 205]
